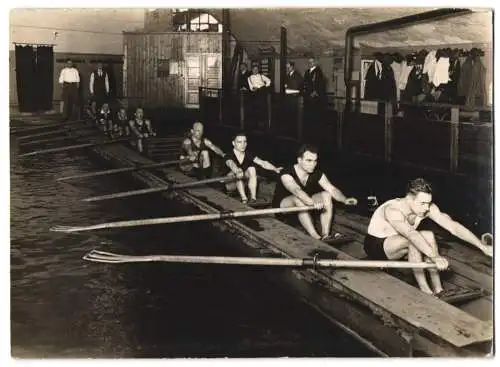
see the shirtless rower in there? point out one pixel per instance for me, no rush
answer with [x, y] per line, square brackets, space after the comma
[141, 128]
[392, 233]
[304, 185]
[196, 149]
[242, 165]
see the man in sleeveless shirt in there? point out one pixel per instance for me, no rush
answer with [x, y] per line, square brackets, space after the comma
[304, 185]
[99, 85]
[241, 164]
[393, 234]
[141, 128]
[196, 149]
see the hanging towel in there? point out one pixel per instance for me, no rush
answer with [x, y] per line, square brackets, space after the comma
[403, 76]
[430, 64]
[441, 72]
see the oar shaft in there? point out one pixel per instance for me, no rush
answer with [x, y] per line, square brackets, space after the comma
[54, 132]
[73, 147]
[184, 219]
[98, 256]
[48, 140]
[151, 190]
[120, 170]
[41, 127]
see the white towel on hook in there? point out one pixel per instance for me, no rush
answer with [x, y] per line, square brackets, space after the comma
[430, 65]
[441, 74]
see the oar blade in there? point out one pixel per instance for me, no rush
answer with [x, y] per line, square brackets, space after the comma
[65, 229]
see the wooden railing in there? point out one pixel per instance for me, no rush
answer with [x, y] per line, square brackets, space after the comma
[431, 135]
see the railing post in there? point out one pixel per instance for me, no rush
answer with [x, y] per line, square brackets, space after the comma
[269, 111]
[242, 110]
[200, 99]
[388, 131]
[300, 117]
[221, 98]
[454, 143]
[340, 125]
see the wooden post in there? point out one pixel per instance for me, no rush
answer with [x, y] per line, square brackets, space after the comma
[242, 110]
[221, 99]
[340, 125]
[283, 56]
[300, 115]
[269, 111]
[200, 102]
[388, 131]
[454, 143]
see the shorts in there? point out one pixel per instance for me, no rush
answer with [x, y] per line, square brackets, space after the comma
[374, 247]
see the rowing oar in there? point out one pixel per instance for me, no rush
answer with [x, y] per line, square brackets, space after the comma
[183, 219]
[121, 170]
[41, 127]
[151, 190]
[50, 140]
[77, 146]
[54, 132]
[108, 257]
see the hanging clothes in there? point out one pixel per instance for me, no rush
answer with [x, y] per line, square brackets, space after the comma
[454, 74]
[380, 82]
[403, 76]
[430, 64]
[396, 69]
[465, 78]
[476, 95]
[441, 72]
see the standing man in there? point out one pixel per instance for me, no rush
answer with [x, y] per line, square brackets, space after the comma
[294, 81]
[303, 185]
[314, 96]
[241, 164]
[99, 85]
[70, 81]
[393, 234]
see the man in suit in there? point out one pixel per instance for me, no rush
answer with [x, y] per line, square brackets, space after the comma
[314, 96]
[243, 76]
[293, 81]
[99, 86]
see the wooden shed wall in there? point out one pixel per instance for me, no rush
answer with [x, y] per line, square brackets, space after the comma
[144, 52]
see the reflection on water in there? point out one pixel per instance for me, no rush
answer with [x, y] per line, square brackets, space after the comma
[62, 306]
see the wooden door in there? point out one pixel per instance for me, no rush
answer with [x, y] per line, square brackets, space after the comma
[202, 70]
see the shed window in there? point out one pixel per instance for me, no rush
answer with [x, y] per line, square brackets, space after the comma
[196, 21]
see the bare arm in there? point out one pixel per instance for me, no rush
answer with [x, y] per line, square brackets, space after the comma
[215, 148]
[232, 166]
[91, 83]
[397, 219]
[292, 186]
[134, 129]
[186, 146]
[455, 228]
[150, 127]
[266, 165]
[332, 190]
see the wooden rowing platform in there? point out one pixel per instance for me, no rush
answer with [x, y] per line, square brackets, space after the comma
[383, 311]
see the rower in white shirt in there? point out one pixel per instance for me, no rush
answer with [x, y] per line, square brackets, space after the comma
[70, 80]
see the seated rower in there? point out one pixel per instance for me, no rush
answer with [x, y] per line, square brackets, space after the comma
[393, 234]
[304, 185]
[141, 128]
[242, 165]
[121, 127]
[105, 119]
[91, 111]
[196, 148]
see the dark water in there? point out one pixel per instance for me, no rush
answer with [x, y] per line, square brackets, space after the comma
[63, 306]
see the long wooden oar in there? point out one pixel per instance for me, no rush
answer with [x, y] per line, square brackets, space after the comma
[47, 126]
[111, 258]
[54, 132]
[49, 140]
[121, 170]
[151, 190]
[183, 219]
[77, 146]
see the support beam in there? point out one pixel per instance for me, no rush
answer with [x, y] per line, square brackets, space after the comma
[283, 57]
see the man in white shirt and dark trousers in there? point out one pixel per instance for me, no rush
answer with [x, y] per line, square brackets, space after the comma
[70, 80]
[99, 86]
[259, 85]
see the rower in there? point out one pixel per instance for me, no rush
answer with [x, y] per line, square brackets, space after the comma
[393, 234]
[141, 128]
[302, 184]
[91, 111]
[196, 148]
[120, 123]
[242, 165]
[105, 119]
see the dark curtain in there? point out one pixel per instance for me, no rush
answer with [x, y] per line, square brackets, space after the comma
[26, 78]
[45, 76]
